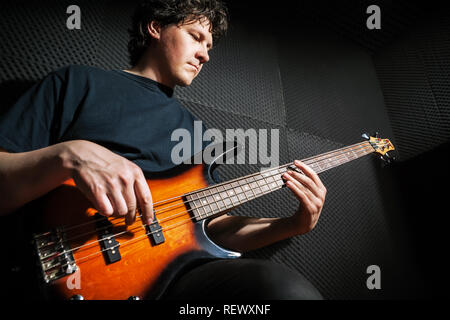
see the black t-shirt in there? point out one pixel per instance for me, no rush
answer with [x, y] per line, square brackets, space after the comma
[130, 115]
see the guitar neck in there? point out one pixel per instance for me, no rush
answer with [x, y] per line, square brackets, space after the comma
[217, 199]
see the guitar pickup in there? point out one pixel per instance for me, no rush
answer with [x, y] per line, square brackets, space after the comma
[155, 233]
[109, 245]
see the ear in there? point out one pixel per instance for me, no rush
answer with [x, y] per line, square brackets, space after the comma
[154, 29]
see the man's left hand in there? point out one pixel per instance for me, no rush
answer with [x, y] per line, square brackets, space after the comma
[310, 191]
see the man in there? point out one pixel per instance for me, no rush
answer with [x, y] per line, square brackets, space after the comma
[105, 129]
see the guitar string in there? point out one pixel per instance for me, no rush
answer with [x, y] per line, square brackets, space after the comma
[279, 167]
[167, 218]
[270, 169]
[165, 228]
[139, 237]
[342, 153]
[202, 206]
[241, 178]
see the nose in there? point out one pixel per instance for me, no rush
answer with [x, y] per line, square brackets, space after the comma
[202, 55]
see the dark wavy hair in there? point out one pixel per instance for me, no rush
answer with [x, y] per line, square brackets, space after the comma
[177, 12]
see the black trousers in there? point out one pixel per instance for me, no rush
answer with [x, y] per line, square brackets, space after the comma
[242, 279]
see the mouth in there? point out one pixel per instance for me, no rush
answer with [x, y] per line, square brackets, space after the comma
[194, 66]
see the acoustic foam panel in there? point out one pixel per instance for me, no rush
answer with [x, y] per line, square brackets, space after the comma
[330, 87]
[255, 82]
[414, 74]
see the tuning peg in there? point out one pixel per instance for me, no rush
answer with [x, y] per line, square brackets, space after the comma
[365, 136]
[391, 157]
[388, 158]
[376, 135]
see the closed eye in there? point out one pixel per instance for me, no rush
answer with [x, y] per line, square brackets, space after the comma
[196, 38]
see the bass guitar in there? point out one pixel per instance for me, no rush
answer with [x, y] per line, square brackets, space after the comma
[80, 254]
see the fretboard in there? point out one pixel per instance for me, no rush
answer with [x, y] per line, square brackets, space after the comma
[217, 199]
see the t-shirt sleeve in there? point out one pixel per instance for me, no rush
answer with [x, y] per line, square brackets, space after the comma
[30, 123]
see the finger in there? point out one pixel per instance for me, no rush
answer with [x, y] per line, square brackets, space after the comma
[103, 205]
[96, 195]
[305, 181]
[309, 172]
[315, 203]
[298, 184]
[130, 199]
[301, 196]
[144, 199]
[118, 202]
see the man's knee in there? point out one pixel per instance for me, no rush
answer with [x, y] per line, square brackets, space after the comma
[269, 280]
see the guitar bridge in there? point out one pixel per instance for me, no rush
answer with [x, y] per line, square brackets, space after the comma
[55, 258]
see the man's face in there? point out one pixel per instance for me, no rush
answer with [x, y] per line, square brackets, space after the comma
[182, 51]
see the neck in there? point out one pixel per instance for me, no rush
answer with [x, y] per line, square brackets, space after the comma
[220, 198]
[147, 67]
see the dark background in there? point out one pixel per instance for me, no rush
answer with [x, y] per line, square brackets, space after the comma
[314, 71]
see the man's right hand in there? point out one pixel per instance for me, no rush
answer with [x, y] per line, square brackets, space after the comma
[114, 185]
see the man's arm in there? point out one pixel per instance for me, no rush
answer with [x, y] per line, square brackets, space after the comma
[244, 234]
[29, 175]
[114, 185]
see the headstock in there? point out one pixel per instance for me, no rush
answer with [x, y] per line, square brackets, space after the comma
[381, 146]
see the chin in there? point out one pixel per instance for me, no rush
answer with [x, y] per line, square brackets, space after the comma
[184, 82]
[186, 77]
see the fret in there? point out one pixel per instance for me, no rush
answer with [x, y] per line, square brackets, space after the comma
[335, 162]
[262, 184]
[320, 167]
[351, 155]
[205, 203]
[198, 206]
[227, 199]
[224, 195]
[270, 177]
[244, 187]
[240, 192]
[314, 166]
[218, 199]
[330, 163]
[348, 157]
[254, 186]
[247, 189]
[268, 174]
[327, 164]
[232, 194]
[271, 182]
[212, 203]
